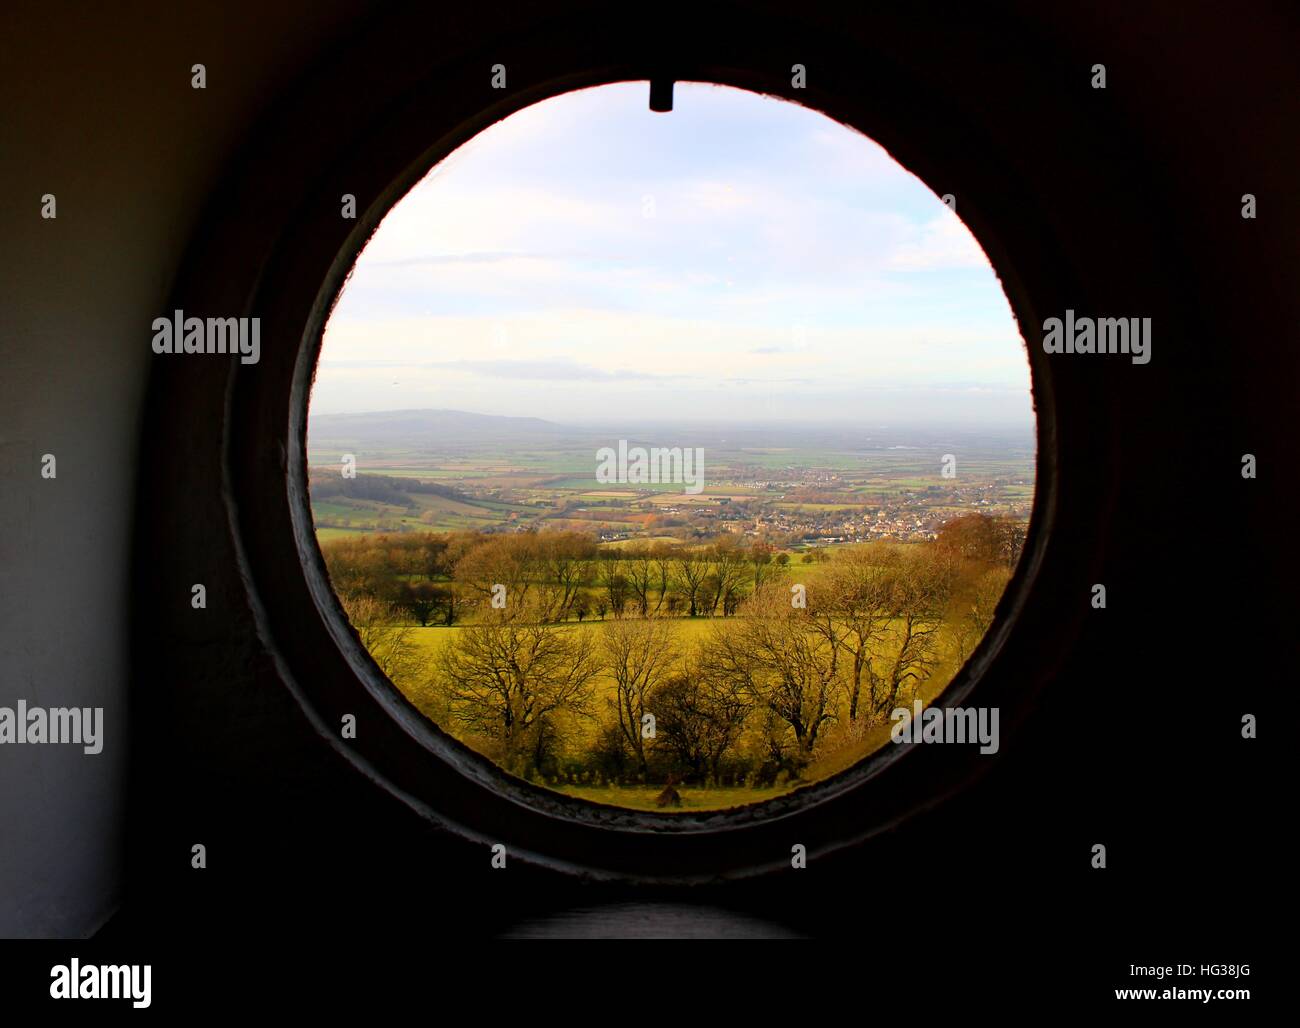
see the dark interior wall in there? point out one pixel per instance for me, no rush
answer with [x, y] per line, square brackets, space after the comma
[1200, 107]
[96, 108]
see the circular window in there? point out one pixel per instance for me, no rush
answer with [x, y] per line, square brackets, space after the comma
[331, 168]
[671, 462]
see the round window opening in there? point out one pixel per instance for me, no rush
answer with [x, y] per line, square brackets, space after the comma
[672, 461]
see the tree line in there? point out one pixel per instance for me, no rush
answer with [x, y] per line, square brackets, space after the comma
[432, 576]
[779, 675]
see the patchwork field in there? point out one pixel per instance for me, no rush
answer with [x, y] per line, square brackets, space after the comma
[784, 502]
[831, 485]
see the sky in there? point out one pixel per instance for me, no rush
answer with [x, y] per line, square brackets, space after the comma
[586, 260]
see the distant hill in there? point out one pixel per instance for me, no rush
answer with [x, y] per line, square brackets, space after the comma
[461, 432]
[405, 428]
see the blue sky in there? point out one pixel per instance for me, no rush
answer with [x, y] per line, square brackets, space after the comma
[739, 258]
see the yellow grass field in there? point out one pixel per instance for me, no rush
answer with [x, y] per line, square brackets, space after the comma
[850, 746]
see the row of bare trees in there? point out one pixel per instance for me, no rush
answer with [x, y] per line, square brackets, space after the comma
[523, 681]
[559, 576]
[866, 638]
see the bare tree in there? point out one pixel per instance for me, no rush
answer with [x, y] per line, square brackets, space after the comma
[385, 638]
[979, 606]
[691, 570]
[774, 656]
[921, 590]
[663, 557]
[508, 674]
[700, 716]
[613, 583]
[638, 656]
[851, 605]
[567, 562]
[639, 568]
[728, 559]
[1011, 537]
[502, 560]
